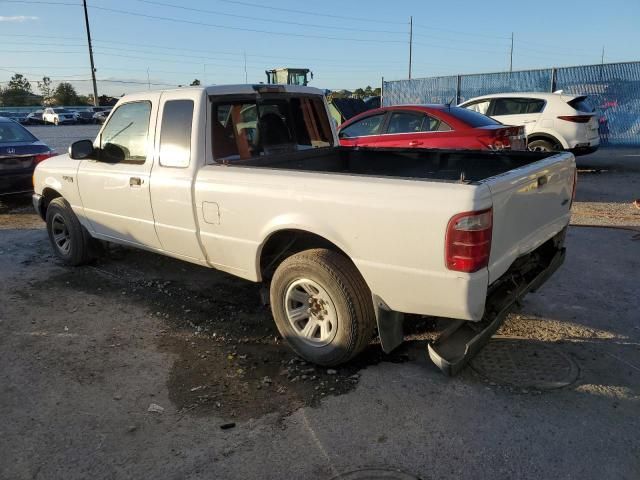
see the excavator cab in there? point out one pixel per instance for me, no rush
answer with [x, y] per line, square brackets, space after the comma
[289, 76]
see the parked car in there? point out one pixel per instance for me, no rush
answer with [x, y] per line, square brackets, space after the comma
[249, 179]
[20, 152]
[58, 116]
[552, 121]
[84, 115]
[20, 117]
[35, 118]
[429, 126]
[101, 115]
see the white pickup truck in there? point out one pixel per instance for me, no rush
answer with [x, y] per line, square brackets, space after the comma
[249, 179]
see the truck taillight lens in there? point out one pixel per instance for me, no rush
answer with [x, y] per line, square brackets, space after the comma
[468, 241]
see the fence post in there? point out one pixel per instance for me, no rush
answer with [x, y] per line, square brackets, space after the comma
[458, 85]
[554, 78]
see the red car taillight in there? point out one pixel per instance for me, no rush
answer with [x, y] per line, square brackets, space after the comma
[576, 118]
[468, 241]
[43, 156]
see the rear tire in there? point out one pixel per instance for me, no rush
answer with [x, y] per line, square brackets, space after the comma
[322, 306]
[70, 240]
[542, 146]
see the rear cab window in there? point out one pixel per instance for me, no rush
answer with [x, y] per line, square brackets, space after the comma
[175, 133]
[252, 127]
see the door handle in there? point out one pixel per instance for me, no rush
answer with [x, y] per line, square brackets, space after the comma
[135, 181]
[415, 143]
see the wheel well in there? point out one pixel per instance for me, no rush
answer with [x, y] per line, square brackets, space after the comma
[284, 243]
[544, 136]
[48, 194]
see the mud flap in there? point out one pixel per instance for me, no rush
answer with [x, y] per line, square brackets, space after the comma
[462, 340]
[390, 325]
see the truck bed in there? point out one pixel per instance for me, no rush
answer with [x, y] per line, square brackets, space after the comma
[440, 165]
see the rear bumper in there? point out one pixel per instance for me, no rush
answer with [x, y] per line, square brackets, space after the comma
[16, 183]
[460, 342]
[584, 149]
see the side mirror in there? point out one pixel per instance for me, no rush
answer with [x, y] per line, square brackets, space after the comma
[81, 149]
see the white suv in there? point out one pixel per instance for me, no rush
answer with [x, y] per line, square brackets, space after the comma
[552, 121]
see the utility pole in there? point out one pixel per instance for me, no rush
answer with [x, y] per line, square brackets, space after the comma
[602, 58]
[511, 55]
[93, 68]
[148, 80]
[244, 52]
[410, 43]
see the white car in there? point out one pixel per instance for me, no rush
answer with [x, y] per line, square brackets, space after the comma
[59, 116]
[251, 180]
[552, 121]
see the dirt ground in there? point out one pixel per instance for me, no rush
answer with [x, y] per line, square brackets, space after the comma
[141, 366]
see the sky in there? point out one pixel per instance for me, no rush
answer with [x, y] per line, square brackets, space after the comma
[347, 44]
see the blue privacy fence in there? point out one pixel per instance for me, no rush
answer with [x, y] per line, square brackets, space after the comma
[614, 89]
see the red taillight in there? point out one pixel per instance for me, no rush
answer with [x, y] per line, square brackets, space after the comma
[576, 118]
[468, 241]
[43, 156]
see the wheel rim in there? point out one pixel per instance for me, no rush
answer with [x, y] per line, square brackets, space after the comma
[539, 148]
[60, 233]
[311, 312]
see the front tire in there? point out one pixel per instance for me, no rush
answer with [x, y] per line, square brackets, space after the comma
[322, 306]
[70, 240]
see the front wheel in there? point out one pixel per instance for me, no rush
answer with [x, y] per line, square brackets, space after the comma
[322, 306]
[70, 240]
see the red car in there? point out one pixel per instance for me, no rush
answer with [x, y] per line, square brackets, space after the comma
[429, 126]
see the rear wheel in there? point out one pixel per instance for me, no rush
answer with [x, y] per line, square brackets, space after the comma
[322, 306]
[70, 240]
[542, 146]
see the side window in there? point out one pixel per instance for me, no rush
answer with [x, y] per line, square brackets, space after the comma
[480, 106]
[175, 133]
[367, 126]
[124, 138]
[405, 122]
[510, 106]
[535, 105]
[433, 124]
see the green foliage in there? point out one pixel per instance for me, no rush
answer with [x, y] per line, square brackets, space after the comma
[65, 94]
[195, 83]
[46, 88]
[18, 92]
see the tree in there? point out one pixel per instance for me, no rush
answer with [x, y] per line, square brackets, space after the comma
[65, 94]
[18, 92]
[46, 89]
[195, 83]
[377, 91]
[368, 92]
[358, 92]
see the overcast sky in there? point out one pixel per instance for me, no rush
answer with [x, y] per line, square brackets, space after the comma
[347, 44]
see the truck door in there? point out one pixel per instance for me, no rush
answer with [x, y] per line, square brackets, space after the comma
[180, 143]
[115, 189]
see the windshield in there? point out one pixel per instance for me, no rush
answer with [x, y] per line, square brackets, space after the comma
[12, 132]
[471, 118]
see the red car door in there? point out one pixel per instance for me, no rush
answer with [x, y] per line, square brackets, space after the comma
[363, 132]
[414, 129]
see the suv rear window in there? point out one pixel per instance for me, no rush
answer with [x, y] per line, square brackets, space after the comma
[471, 118]
[582, 104]
[517, 106]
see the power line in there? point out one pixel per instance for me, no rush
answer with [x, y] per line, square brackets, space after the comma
[247, 17]
[254, 30]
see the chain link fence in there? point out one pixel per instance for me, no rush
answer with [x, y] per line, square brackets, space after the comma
[614, 89]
